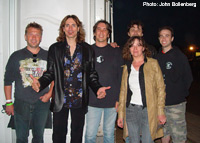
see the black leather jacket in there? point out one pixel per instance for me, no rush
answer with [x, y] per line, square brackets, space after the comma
[55, 72]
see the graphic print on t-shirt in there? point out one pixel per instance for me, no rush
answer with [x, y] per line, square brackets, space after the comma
[100, 59]
[28, 67]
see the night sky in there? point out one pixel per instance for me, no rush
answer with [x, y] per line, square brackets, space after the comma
[184, 20]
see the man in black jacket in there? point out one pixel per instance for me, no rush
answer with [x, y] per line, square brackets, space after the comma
[178, 78]
[70, 65]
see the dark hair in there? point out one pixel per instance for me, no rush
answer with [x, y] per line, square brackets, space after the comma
[34, 25]
[167, 28]
[135, 22]
[108, 26]
[126, 50]
[80, 35]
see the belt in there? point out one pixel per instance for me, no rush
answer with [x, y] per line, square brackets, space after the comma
[137, 105]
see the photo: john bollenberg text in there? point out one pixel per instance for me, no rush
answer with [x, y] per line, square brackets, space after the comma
[175, 4]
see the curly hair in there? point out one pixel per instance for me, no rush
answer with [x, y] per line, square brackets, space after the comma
[80, 35]
[126, 50]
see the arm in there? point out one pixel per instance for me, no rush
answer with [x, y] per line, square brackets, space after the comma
[187, 73]
[116, 106]
[119, 68]
[114, 45]
[9, 78]
[48, 76]
[8, 95]
[119, 63]
[93, 75]
[122, 98]
[161, 94]
[47, 96]
[120, 122]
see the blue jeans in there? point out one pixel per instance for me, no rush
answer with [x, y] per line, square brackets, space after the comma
[127, 140]
[93, 118]
[137, 122]
[28, 116]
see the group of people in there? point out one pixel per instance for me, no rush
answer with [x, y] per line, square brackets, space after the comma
[145, 88]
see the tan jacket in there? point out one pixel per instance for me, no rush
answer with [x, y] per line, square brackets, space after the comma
[155, 96]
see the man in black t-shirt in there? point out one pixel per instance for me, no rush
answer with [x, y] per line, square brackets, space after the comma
[108, 62]
[30, 109]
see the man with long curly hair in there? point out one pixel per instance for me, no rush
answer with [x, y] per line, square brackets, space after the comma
[70, 65]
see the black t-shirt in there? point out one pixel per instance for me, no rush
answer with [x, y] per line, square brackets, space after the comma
[20, 65]
[108, 62]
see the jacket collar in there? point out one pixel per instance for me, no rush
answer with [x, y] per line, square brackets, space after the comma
[129, 62]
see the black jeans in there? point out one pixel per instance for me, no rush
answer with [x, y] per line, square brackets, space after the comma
[60, 124]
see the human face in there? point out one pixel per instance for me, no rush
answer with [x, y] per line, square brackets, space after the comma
[33, 37]
[101, 33]
[135, 30]
[165, 38]
[136, 49]
[71, 29]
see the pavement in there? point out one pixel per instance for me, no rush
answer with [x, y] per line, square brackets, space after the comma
[193, 112]
[193, 129]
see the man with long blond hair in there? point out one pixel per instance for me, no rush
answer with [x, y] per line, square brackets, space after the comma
[70, 65]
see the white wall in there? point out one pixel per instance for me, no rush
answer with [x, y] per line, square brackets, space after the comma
[5, 133]
[49, 14]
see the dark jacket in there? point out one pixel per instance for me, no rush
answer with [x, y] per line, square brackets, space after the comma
[177, 75]
[55, 71]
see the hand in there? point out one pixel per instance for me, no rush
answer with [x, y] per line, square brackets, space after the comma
[10, 110]
[120, 123]
[162, 119]
[116, 106]
[45, 97]
[35, 84]
[114, 45]
[101, 93]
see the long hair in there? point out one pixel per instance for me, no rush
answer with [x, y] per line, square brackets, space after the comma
[126, 50]
[80, 35]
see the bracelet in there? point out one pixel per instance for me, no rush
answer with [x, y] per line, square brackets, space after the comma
[9, 104]
[9, 100]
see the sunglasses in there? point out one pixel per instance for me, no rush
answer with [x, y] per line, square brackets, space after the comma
[34, 58]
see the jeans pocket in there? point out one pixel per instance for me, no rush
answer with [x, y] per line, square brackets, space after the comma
[22, 108]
